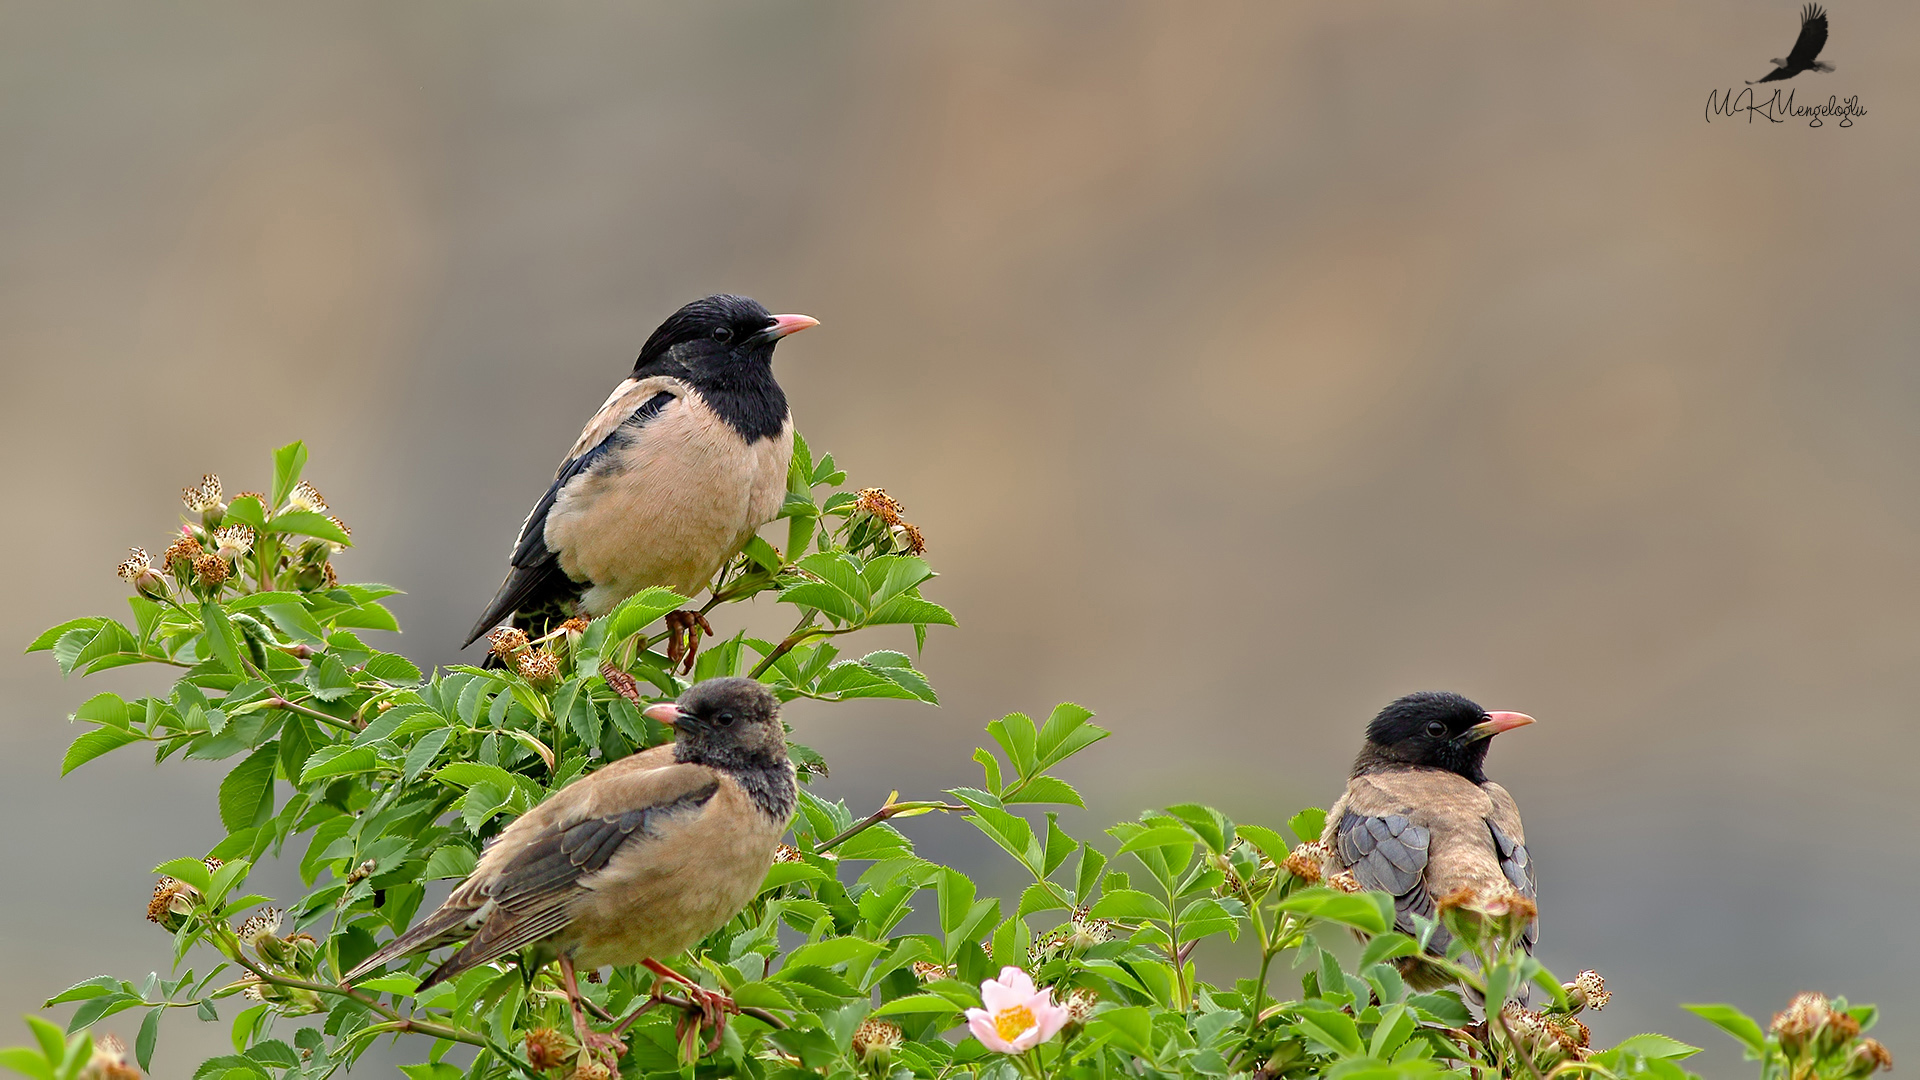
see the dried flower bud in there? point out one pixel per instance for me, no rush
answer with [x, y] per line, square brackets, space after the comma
[1572, 1033]
[539, 667]
[877, 503]
[209, 571]
[590, 1068]
[1084, 931]
[927, 972]
[232, 542]
[785, 853]
[548, 1048]
[1307, 862]
[328, 579]
[334, 546]
[109, 1061]
[307, 497]
[1532, 1034]
[171, 904]
[1797, 1024]
[204, 497]
[507, 642]
[1080, 1005]
[138, 572]
[1587, 991]
[1345, 882]
[261, 924]
[874, 1042]
[362, 872]
[1868, 1058]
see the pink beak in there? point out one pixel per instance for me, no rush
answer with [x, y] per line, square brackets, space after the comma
[788, 324]
[1497, 722]
[666, 712]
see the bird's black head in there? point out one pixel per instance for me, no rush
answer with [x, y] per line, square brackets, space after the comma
[726, 723]
[723, 347]
[1435, 730]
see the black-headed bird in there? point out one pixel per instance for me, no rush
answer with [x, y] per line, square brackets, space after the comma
[682, 465]
[632, 864]
[1421, 821]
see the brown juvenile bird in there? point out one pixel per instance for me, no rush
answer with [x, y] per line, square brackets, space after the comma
[680, 467]
[1420, 819]
[634, 863]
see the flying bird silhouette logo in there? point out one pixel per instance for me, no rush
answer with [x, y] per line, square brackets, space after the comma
[1806, 50]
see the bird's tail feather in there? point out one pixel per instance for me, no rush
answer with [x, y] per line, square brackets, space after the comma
[429, 934]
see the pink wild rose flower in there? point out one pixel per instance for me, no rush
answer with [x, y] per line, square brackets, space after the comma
[1017, 1016]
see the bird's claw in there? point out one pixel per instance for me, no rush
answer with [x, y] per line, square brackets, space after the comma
[708, 1008]
[684, 628]
[604, 1045]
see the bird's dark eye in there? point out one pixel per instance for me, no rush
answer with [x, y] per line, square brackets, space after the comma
[725, 719]
[723, 334]
[1436, 730]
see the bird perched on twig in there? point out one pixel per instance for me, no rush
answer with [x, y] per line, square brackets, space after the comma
[631, 864]
[1806, 47]
[1420, 819]
[680, 467]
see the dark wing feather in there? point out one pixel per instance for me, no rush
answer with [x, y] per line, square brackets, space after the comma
[1813, 38]
[536, 573]
[533, 891]
[1518, 866]
[1389, 854]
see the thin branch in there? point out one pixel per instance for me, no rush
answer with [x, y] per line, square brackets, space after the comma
[277, 702]
[885, 812]
[1513, 1045]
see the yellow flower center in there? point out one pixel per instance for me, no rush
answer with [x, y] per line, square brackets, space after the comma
[1012, 1023]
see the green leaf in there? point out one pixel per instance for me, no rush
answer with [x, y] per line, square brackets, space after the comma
[1308, 824]
[26, 1062]
[308, 523]
[910, 609]
[149, 1036]
[1130, 1027]
[422, 755]
[1653, 1046]
[108, 709]
[192, 871]
[914, 1004]
[1334, 1030]
[221, 638]
[338, 759]
[393, 668]
[638, 611]
[288, 461]
[1735, 1023]
[246, 795]
[91, 624]
[1371, 911]
[1157, 837]
[81, 991]
[1088, 874]
[1130, 904]
[1046, 789]
[1270, 843]
[1015, 734]
[92, 744]
[449, 861]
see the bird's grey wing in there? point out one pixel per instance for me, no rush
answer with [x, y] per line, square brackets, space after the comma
[528, 898]
[1518, 866]
[1813, 38]
[1389, 853]
[536, 568]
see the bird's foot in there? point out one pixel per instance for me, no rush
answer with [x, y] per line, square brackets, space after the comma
[603, 1045]
[684, 628]
[704, 1008]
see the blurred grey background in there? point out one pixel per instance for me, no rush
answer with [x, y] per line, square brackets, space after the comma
[1245, 365]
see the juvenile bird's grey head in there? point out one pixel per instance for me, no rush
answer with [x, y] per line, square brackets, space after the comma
[1434, 729]
[726, 723]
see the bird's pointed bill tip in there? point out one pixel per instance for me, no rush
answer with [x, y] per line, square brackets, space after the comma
[666, 713]
[1497, 722]
[789, 324]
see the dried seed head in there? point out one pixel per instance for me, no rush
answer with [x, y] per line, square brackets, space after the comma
[1572, 1033]
[877, 503]
[255, 989]
[264, 923]
[179, 556]
[1802, 1019]
[548, 1048]
[785, 853]
[575, 625]
[204, 497]
[328, 579]
[590, 1068]
[874, 1041]
[132, 568]
[507, 642]
[209, 570]
[307, 497]
[1868, 1058]
[539, 667]
[1080, 1005]
[906, 537]
[232, 541]
[1307, 862]
[171, 904]
[334, 546]
[1084, 931]
[1587, 991]
[927, 972]
[1345, 882]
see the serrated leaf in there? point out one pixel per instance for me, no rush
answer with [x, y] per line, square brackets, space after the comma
[338, 759]
[288, 462]
[92, 744]
[1045, 789]
[308, 523]
[246, 795]
[1734, 1022]
[1130, 904]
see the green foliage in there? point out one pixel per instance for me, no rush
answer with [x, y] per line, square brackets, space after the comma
[378, 779]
